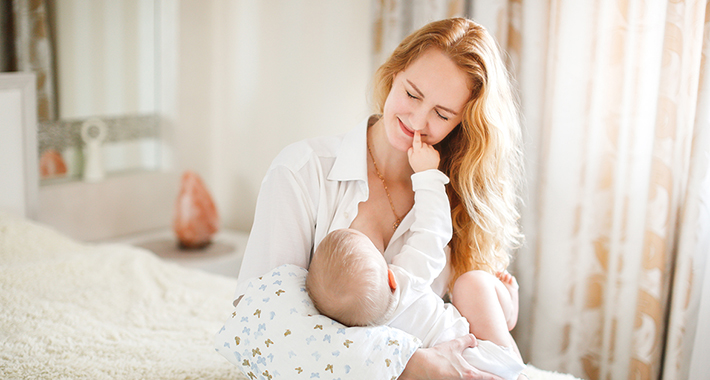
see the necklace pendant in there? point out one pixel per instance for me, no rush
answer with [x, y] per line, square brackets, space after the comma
[396, 224]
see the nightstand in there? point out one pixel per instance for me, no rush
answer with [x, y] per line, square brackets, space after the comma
[222, 256]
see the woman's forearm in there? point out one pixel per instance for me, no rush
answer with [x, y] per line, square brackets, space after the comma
[415, 366]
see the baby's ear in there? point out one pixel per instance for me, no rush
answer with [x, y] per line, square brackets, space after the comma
[392, 280]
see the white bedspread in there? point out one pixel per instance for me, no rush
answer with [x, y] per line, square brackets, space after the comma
[78, 311]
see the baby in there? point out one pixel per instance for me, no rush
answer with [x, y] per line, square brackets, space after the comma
[350, 281]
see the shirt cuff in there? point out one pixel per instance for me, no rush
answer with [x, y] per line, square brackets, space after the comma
[431, 179]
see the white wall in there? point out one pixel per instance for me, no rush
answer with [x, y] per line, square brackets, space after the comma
[257, 75]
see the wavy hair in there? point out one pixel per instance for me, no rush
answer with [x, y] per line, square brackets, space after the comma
[482, 155]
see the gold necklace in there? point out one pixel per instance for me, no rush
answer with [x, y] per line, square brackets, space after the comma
[398, 220]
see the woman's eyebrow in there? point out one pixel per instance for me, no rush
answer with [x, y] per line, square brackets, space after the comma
[419, 93]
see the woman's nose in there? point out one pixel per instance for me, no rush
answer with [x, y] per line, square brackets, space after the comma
[418, 120]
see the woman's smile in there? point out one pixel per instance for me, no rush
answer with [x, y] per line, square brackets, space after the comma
[407, 131]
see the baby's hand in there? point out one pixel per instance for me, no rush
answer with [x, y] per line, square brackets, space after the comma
[422, 156]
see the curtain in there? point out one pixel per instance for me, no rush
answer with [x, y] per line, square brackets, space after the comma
[33, 51]
[617, 204]
[685, 347]
[395, 19]
[6, 33]
[615, 92]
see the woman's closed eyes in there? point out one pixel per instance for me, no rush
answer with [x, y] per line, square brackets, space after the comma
[437, 111]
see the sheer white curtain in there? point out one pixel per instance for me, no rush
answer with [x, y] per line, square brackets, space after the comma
[392, 20]
[617, 205]
[688, 342]
[610, 94]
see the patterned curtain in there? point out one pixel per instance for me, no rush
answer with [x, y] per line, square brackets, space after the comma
[615, 98]
[34, 52]
[692, 264]
[395, 19]
[612, 131]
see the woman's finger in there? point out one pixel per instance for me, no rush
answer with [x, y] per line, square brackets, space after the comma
[466, 341]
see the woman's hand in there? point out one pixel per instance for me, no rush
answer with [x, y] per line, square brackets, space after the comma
[444, 362]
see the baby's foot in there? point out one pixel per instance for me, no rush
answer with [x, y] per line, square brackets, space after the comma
[511, 284]
[508, 280]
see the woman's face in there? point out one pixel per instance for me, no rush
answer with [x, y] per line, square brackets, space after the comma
[428, 96]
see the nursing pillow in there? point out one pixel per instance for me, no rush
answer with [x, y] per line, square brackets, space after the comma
[275, 332]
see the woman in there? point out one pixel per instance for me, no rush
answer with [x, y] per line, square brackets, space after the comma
[447, 81]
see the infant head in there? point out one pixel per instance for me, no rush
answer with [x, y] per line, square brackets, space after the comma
[348, 279]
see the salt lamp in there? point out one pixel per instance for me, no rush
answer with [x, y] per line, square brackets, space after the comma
[196, 219]
[51, 164]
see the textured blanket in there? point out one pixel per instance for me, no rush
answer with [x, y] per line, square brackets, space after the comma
[79, 311]
[71, 310]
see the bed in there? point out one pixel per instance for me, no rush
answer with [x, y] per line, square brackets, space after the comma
[110, 311]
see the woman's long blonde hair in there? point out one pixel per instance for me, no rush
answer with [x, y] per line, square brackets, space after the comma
[482, 155]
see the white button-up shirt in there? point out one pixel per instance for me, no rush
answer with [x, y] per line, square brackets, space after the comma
[313, 187]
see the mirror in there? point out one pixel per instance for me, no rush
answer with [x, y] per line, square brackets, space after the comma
[105, 53]
[105, 69]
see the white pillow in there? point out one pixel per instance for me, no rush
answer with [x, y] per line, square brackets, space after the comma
[275, 332]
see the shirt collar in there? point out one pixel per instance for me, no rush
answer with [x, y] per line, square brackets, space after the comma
[351, 161]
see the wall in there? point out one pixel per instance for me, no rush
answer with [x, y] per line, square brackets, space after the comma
[274, 72]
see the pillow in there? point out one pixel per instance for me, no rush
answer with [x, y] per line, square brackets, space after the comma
[275, 332]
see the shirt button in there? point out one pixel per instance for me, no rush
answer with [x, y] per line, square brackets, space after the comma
[347, 215]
